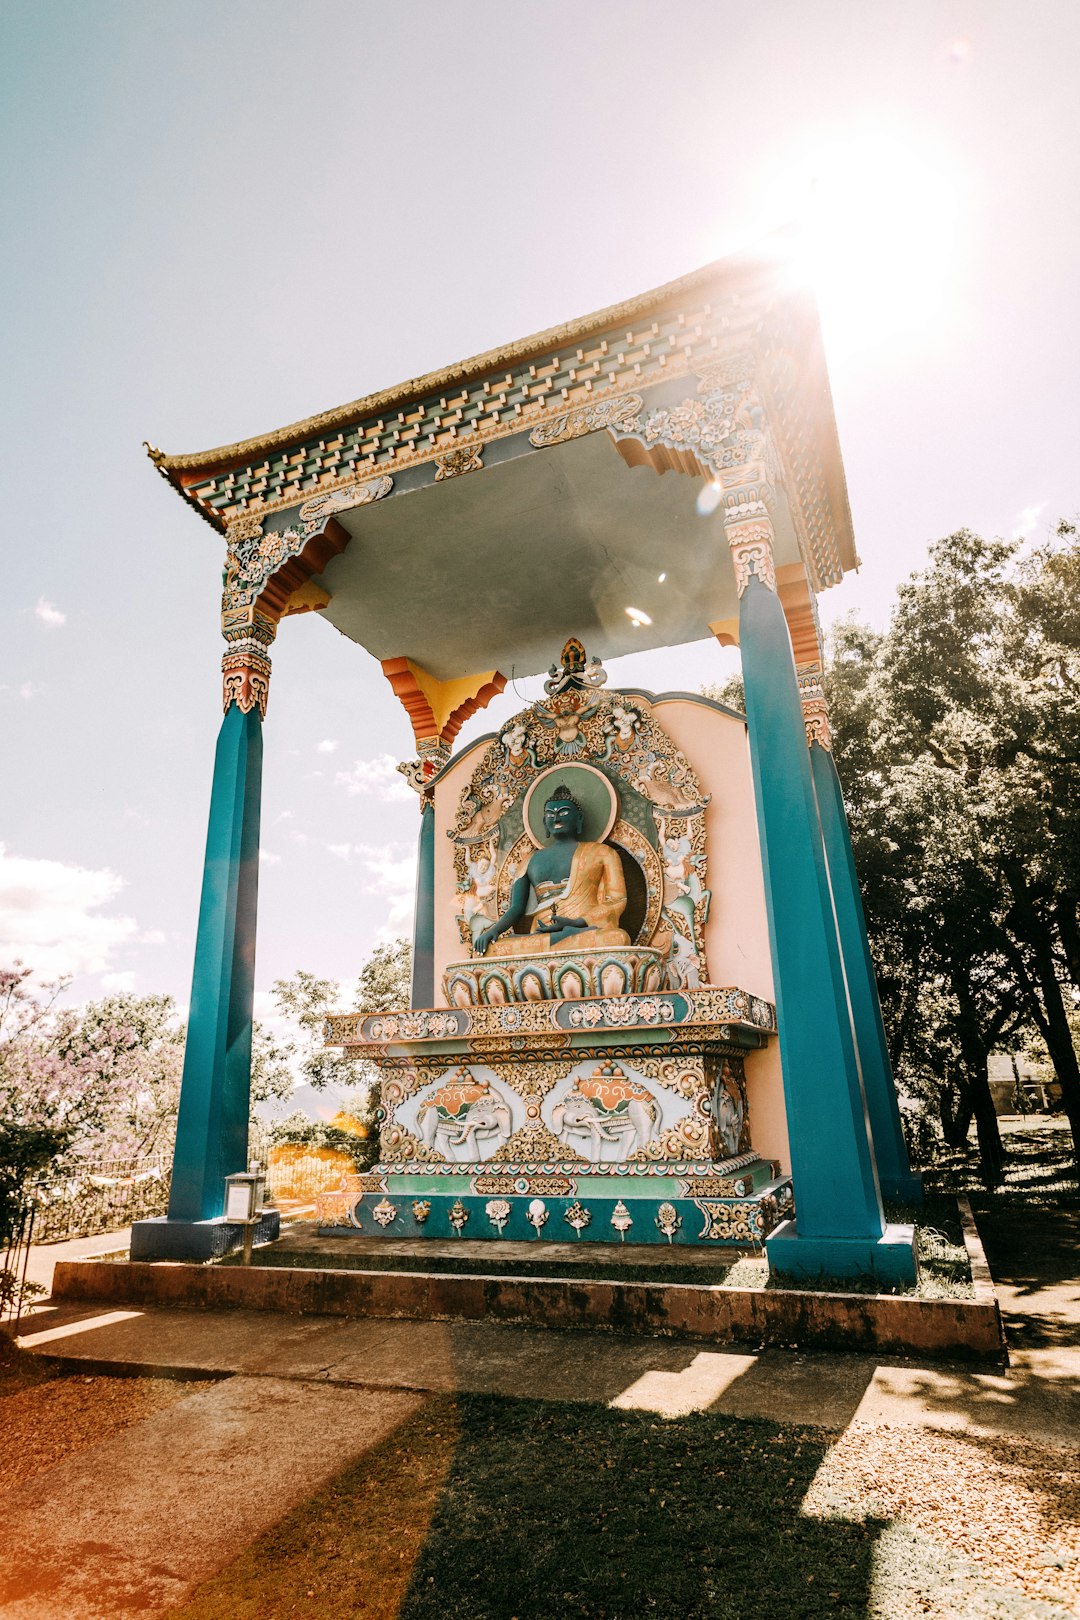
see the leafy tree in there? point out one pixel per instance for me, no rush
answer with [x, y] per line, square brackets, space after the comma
[106, 1076]
[957, 735]
[307, 1001]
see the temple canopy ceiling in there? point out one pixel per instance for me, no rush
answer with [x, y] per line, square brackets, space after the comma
[494, 571]
[572, 482]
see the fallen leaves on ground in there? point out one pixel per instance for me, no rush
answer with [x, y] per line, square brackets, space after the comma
[48, 1421]
[1010, 1506]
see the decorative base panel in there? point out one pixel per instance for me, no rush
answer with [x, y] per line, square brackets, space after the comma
[736, 1202]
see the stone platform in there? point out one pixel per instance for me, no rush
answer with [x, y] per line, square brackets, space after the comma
[962, 1329]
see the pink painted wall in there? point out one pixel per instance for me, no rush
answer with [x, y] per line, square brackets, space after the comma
[736, 936]
[737, 933]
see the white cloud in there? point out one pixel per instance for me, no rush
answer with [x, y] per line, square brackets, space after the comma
[27, 690]
[49, 916]
[378, 777]
[391, 871]
[268, 858]
[329, 745]
[50, 616]
[266, 1013]
[390, 875]
[300, 837]
[151, 936]
[114, 983]
[1027, 520]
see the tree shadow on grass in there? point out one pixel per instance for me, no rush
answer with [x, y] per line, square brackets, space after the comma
[571, 1510]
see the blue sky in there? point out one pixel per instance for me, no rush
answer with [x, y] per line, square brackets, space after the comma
[221, 217]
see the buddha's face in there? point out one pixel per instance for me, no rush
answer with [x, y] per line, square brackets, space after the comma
[562, 820]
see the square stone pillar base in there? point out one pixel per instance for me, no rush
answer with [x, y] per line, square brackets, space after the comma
[163, 1239]
[889, 1259]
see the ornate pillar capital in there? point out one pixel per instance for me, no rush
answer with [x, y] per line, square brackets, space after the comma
[438, 710]
[751, 543]
[245, 667]
[815, 708]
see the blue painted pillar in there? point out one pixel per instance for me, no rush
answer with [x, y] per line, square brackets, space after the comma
[839, 1229]
[890, 1150]
[423, 962]
[212, 1128]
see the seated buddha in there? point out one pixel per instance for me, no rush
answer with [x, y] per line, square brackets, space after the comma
[579, 887]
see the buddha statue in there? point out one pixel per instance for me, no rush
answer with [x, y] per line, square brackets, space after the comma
[579, 887]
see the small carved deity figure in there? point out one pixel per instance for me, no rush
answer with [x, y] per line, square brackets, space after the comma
[623, 722]
[683, 888]
[684, 963]
[476, 905]
[515, 740]
[729, 1118]
[579, 887]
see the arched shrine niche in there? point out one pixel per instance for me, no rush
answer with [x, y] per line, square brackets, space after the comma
[635, 897]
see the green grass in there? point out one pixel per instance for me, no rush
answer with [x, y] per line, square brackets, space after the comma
[1040, 1169]
[487, 1509]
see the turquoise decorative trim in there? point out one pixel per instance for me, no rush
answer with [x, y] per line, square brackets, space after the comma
[832, 1157]
[890, 1150]
[212, 1128]
[423, 963]
[624, 1215]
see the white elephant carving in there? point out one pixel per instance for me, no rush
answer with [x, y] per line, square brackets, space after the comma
[635, 1118]
[486, 1117]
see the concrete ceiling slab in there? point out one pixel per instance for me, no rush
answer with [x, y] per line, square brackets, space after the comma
[495, 568]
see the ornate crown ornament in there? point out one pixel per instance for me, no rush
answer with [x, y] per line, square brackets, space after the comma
[575, 673]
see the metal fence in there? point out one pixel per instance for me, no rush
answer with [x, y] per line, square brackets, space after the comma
[101, 1196]
[14, 1258]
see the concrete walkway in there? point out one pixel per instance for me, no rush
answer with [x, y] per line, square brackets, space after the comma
[43, 1257]
[1038, 1396]
[130, 1525]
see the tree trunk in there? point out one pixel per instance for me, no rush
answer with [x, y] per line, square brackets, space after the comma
[991, 1150]
[954, 1111]
[1053, 1022]
[974, 1051]
[1070, 937]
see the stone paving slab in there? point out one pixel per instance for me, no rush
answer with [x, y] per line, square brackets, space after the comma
[630, 1371]
[129, 1527]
